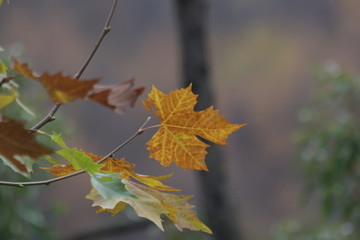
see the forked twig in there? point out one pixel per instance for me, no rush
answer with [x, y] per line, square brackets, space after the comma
[50, 116]
[110, 154]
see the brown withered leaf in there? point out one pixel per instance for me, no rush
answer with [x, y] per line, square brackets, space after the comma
[24, 69]
[15, 141]
[65, 89]
[117, 97]
[61, 89]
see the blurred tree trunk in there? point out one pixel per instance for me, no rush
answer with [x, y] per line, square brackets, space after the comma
[191, 18]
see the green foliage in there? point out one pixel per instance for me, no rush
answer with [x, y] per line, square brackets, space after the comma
[293, 230]
[24, 219]
[329, 152]
[330, 144]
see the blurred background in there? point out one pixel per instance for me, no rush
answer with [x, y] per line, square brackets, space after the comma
[262, 55]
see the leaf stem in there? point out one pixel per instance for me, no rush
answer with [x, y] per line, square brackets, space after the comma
[141, 130]
[50, 116]
[151, 127]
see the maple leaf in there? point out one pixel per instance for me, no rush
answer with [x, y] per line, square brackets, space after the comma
[66, 89]
[176, 140]
[24, 70]
[61, 89]
[150, 203]
[179, 210]
[16, 141]
[116, 97]
[78, 160]
[143, 203]
[109, 185]
[119, 166]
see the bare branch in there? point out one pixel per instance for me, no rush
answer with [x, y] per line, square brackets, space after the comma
[5, 80]
[110, 154]
[50, 116]
[105, 31]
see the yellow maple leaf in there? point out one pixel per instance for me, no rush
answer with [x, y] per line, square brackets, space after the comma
[176, 140]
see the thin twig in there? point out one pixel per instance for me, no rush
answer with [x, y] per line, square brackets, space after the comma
[105, 31]
[50, 116]
[5, 80]
[110, 154]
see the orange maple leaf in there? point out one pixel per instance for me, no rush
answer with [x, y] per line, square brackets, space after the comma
[16, 141]
[176, 140]
[61, 89]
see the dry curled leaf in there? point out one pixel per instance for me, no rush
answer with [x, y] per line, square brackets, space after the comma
[117, 97]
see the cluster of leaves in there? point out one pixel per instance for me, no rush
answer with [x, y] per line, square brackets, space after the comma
[330, 145]
[25, 219]
[115, 184]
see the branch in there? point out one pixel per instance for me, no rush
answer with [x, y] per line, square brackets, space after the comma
[47, 182]
[50, 116]
[5, 80]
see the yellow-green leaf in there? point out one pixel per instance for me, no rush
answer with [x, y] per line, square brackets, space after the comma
[78, 159]
[143, 203]
[3, 67]
[6, 100]
[151, 204]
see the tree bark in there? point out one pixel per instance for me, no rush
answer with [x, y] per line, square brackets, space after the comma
[191, 19]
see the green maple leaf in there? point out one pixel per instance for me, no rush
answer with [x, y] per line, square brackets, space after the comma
[109, 185]
[79, 160]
